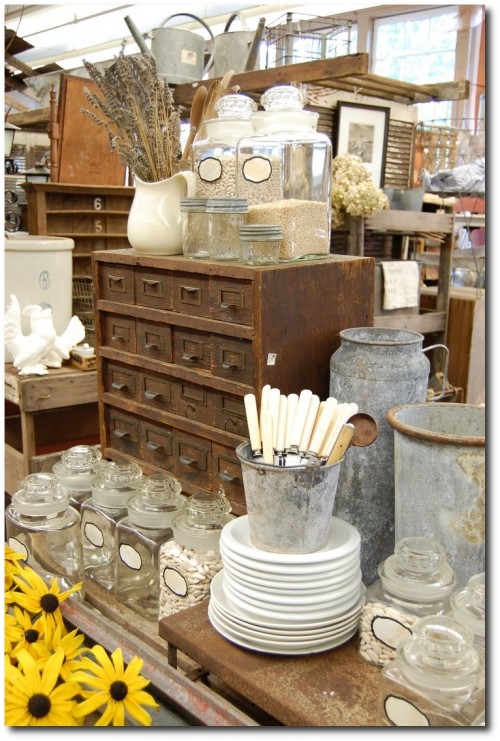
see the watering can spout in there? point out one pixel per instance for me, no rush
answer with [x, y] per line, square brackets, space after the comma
[137, 35]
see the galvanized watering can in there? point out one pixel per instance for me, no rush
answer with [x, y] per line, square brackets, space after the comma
[236, 50]
[179, 54]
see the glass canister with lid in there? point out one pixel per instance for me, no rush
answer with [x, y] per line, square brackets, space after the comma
[112, 488]
[42, 525]
[194, 220]
[284, 169]
[260, 243]
[436, 678]
[469, 606]
[214, 156]
[415, 581]
[139, 537]
[189, 561]
[77, 468]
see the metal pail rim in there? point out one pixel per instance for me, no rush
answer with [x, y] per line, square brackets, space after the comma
[477, 441]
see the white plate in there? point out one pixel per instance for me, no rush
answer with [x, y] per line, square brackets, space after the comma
[299, 599]
[301, 633]
[287, 639]
[277, 648]
[343, 539]
[292, 623]
[262, 574]
[290, 588]
[302, 612]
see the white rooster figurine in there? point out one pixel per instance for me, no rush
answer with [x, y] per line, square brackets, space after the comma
[42, 348]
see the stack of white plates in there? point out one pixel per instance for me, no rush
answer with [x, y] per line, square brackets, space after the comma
[287, 603]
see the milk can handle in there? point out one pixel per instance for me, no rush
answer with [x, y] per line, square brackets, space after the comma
[210, 61]
[445, 375]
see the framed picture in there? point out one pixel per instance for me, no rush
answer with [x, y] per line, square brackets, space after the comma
[363, 130]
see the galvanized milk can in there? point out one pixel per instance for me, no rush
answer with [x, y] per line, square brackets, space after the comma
[376, 368]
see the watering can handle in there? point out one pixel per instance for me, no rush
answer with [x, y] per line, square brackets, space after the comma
[232, 18]
[190, 15]
[445, 375]
[137, 35]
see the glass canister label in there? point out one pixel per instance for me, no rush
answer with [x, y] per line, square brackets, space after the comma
[402, 712]
[130, 556]
[93, 534]
[381, 628]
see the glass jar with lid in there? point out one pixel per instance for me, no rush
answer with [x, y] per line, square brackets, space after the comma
[469, 606]
[189, 561]
[284, 169]
[42, 525]
[112, 488]
[226, 215]
[214, 156]
[260, 243]
[77, 468]
[436, 678]
[139, 537]
[194, 220]
[415, 581]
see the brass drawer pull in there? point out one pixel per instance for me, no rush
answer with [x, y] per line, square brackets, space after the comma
[116, 278]
[226, 365]
[151, 394]
[149, 282]
[118, 386]
[116, 337]
[229, 306]
[190, 356]
[121, 433]
[188, 461]
[152, 346]
[223, 476]
[190, 289]
[153, 446]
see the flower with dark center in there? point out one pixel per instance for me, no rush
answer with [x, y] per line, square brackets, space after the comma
[39, 705]
[118, 688]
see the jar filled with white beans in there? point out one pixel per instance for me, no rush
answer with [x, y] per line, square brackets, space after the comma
[189, 561]
[414, 582]
[214, 156]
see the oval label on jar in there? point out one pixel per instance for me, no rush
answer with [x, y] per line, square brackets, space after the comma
[19, 547]
[130, 556]
[389, 631]
[402, 712]
[210, 170]
[257, 169]
[175, 582]
[93, 534]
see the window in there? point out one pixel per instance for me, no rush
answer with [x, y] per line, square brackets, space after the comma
[418, 48]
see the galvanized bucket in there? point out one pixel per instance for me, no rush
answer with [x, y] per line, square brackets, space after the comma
[376, 368]
[439, 474]
[180, 54]
[231, 48]
[289, 509]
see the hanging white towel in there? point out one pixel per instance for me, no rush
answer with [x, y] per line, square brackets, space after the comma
[401, 282]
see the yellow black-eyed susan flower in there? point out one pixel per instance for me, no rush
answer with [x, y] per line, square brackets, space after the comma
[120, 690]
[33, 696]
[72, 645]
[29, 635]
[36, 597]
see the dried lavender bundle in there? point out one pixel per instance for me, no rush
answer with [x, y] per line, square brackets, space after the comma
[136, 107]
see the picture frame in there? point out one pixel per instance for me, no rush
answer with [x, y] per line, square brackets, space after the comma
[363, 130]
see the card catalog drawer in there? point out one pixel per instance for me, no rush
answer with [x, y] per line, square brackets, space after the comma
[120, 380]
[153, 288]
[192, 349]
[192, 459]
[117, 283]
[123, 432]
[231, 301]
[154, 340]
[190, 294]
[156, 391]
[157, 445]
[194, 402]
[227, 472]
[229, 414]
[232, 359]
[119, 332]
